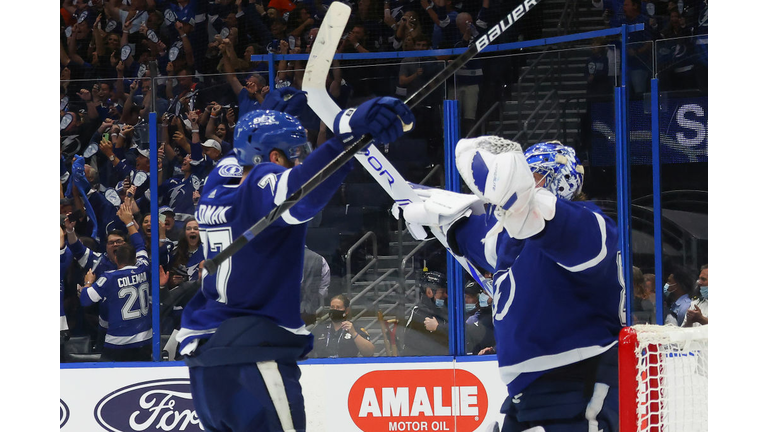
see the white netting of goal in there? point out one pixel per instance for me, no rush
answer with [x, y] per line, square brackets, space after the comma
[672, 365]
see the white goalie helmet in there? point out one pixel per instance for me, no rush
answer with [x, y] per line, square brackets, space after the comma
[562, 170]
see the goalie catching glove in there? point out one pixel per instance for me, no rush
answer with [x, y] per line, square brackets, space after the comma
[439, 209]
[385, 118]
[496, 170]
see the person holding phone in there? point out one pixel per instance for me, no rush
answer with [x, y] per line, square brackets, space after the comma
[178, 191]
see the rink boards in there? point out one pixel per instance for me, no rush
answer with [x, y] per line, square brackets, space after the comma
[435, 394]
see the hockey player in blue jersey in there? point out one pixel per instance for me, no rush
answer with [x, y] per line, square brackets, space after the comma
[242, 333]
[125, 291]
[558, 296]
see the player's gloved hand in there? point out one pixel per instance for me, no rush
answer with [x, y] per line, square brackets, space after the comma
[495, 169]
[287, 99]
[385, 118]
[439, 209]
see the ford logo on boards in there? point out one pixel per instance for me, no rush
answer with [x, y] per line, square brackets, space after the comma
[164, 404]
[63, 413]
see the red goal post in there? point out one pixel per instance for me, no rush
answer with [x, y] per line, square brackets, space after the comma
[663, 378]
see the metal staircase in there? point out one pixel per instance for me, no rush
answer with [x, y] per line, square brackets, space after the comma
[547, 101]
[388, 284]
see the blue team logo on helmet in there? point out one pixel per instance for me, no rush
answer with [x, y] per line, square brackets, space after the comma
[562, 170]
[260, 131]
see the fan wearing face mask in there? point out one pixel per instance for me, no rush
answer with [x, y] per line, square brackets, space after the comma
[426, 323]
[698, 312]
[478, 311]
[677, 295]
[341, 337]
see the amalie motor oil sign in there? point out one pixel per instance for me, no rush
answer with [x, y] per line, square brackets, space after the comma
[418, 400]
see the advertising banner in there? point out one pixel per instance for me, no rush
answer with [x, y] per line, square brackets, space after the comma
[683, 131]
[368, 397]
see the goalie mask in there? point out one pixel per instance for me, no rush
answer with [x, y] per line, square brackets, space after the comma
[562, 171]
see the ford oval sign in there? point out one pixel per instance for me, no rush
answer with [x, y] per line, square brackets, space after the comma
[149, 406]
[63, 413]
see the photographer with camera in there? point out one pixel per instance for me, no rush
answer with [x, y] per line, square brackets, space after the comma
[341, 337]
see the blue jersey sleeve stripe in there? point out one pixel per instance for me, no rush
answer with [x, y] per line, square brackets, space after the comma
[600, 256]
[83, 260]
[92, 294]
[125, 340]
[281, 192]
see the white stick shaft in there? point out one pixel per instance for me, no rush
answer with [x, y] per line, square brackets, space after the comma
[372, 159]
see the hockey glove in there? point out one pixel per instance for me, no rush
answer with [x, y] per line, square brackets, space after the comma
[496, 170]
[385, 118]
[439, 209]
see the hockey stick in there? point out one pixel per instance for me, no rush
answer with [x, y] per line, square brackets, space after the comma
[371, 159]
[212, 265]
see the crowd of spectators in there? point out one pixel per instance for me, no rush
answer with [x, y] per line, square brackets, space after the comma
[685, 297]
[200, 52]
[679, 28]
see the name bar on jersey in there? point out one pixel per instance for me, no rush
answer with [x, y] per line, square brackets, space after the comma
[212, 215]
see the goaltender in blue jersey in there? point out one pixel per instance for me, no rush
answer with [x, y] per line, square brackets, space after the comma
[557, 290]
[242, 333]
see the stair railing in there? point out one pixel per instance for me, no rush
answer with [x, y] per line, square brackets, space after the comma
[367, 237]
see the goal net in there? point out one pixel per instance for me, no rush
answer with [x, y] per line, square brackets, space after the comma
[663, 378]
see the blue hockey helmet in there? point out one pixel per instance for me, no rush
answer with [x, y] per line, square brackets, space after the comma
[260, 131]
[562, 170]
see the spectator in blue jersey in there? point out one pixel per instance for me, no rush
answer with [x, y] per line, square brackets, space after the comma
[557, 286]
[676, 57]
[443, 15]
[243, 330]
[249, 96]
[65, 259]
[178, 192]
[341, 337]
[596, 70]
[188, 254]
[677, 295]
[426, 327]
[125, 292]
[97, 262]
[639, 48]
[478, 312]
